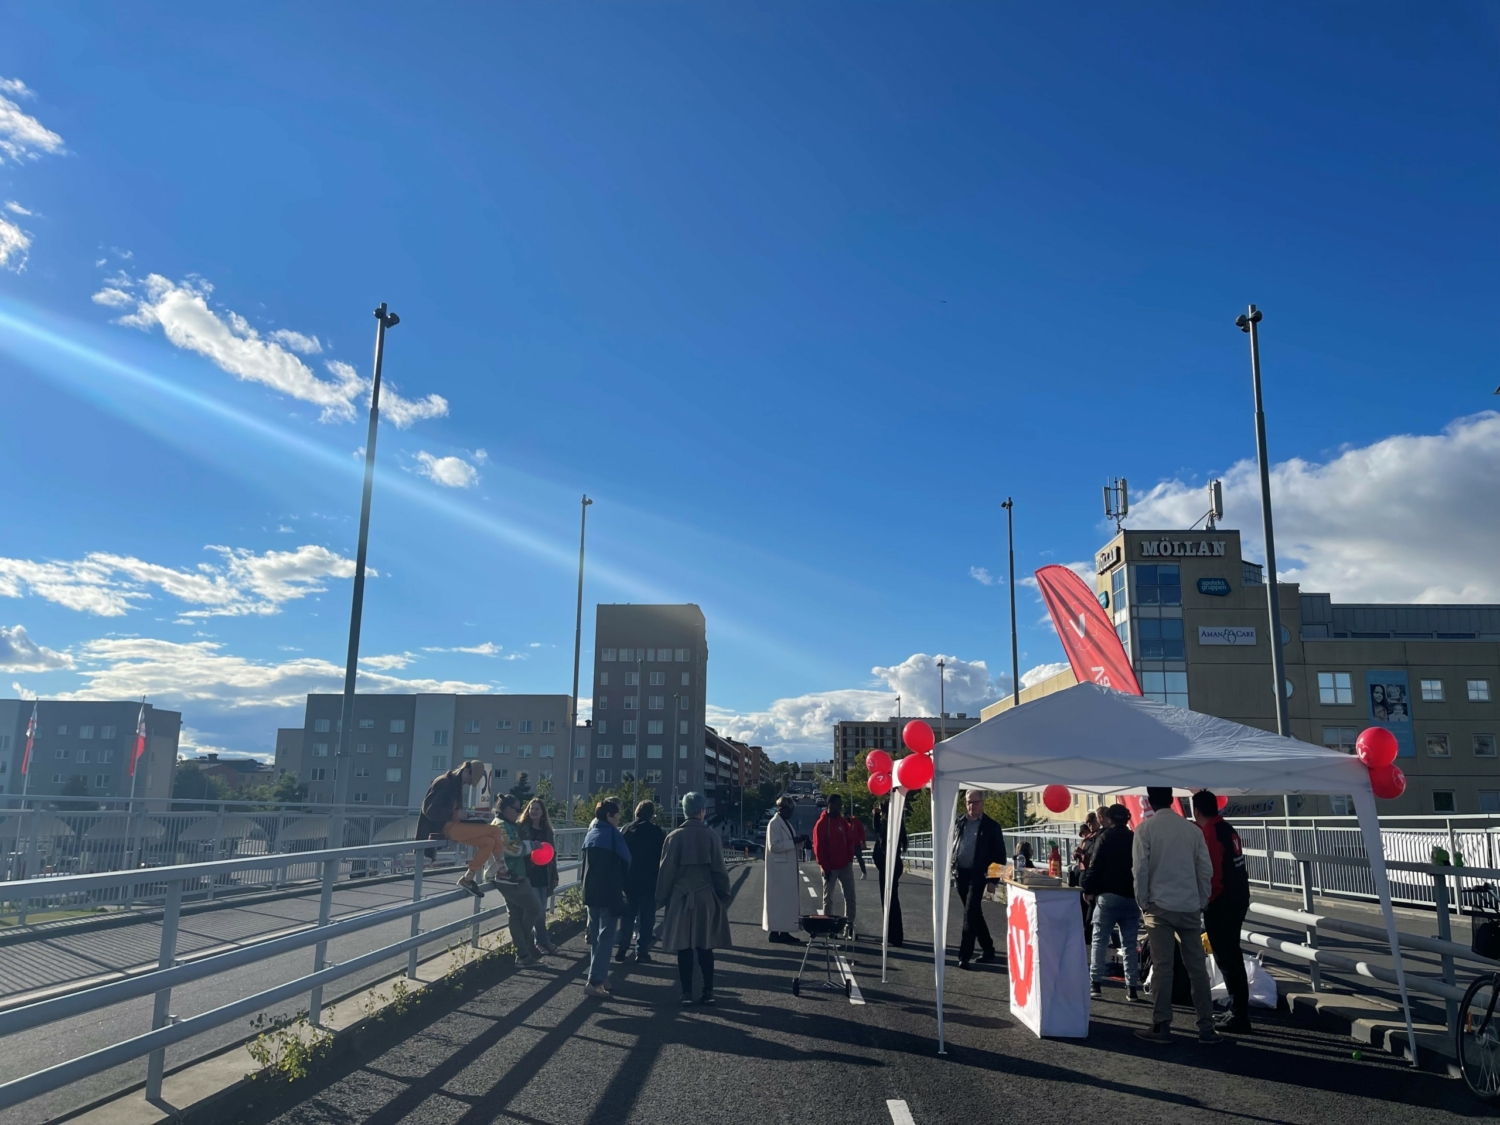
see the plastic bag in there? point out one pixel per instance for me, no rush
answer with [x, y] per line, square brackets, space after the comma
[1262, 984]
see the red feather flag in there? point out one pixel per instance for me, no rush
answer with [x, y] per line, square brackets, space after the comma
[1087, 633]
[140, 740]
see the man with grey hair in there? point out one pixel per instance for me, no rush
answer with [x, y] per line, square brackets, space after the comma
[693, 886]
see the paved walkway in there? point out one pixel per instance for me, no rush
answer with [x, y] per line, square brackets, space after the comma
[531, 1049]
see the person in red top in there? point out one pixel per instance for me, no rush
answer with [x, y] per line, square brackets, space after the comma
[1228, 903]
[833, 848]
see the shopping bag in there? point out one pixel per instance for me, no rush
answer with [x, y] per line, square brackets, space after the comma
[1262, 984]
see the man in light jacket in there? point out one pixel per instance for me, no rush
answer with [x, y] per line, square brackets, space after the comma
[781, 905]
[1173, 880]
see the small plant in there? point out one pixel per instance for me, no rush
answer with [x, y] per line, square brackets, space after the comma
[287, 1048]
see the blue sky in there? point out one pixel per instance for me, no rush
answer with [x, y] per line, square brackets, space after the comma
[799, 297]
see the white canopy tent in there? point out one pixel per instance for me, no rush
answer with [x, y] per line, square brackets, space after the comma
[1098, 741]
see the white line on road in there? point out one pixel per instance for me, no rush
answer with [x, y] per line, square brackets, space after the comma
[811, 893]
[900, 1115]
[855, 996]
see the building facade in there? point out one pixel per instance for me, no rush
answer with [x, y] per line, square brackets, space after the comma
[1193, 615]
[402, 742]
[84, 748]
[649, 686]
[289, 751]
[852, 738]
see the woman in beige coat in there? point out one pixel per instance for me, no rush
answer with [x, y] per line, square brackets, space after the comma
[692, 886]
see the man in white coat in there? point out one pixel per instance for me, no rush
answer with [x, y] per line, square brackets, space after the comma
[782, 902]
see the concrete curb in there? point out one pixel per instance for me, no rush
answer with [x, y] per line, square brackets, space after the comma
[1370, 1021]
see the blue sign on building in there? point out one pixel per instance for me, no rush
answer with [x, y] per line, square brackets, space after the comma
[1390, 707]
[1217, 587]
[1103, 596]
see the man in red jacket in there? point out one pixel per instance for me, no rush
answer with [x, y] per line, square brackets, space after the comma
[833, 847]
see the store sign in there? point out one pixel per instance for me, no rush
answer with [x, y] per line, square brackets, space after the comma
[1104, 598]
[1178, 548]
[1214, 587]
[1226, 635]
[1111, 556]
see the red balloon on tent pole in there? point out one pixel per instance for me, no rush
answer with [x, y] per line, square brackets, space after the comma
[878, 761]
[1388, 782]
[1376, 747]
[918, 737]
[879, 784]
[1056, 798]
[914, 771]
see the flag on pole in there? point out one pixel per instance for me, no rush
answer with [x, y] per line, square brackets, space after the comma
[30, 738]
[1087, 634]
[140, 740]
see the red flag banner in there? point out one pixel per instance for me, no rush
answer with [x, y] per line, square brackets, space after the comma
[30, 738]
[1087, 633]
[140, 740]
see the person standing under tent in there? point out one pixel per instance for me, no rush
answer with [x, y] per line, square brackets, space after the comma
[897, 932]
[1228, 903]
[977, 842]
[644, 838]
[833, 847]
[781, 901]
[693, 886]
[1107, 878]
[1173, 880]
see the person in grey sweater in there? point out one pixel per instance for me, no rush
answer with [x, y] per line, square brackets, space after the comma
[1173, 880]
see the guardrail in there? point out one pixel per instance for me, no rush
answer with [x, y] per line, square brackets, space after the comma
[173, 883]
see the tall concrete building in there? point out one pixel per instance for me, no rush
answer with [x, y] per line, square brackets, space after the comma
[855, 736]
[1192, 613]
[649, 684]
[402, 742]
[85, 746]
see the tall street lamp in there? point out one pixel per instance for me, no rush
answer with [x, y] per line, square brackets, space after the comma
[942, 700]
[583, 522]
[1015, 661]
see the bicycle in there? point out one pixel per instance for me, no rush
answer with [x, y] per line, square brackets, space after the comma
[1476, 1034]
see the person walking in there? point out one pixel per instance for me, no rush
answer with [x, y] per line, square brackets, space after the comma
[442, 815]
[977, 842]
[780, 906]
[606, 864]
[1173, 880]
[536, 828]
[644, 838]
[1107, 879]
[693, 887]
[1228, 903]
[833, 848]
[897, 933]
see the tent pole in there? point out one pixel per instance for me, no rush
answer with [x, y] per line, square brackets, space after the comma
[944, 803]
[895, 813]
[1369, 827]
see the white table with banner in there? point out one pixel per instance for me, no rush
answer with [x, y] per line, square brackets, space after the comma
[1049, 968]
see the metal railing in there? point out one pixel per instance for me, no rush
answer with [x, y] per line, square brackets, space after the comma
[170, 885]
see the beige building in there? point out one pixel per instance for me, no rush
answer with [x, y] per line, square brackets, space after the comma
[1193, 616]
[853, 737]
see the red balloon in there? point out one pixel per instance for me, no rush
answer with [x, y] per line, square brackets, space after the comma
[914, 771]
[1376, 747]
[879, 784]
[542, 854]
[878, 761]
[1223, 803]
[1388, 782]
[1056, 797]
[918, 738]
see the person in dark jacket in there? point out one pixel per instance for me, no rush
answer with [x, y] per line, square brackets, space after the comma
[878, 854]
[1109, 879]
[1228, 903]
[977, 843]
[643, 836]
[441, 815]
[606, 867]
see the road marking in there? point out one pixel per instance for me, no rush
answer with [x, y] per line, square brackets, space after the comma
[855, 995]
[811, 893]
[900, 1115]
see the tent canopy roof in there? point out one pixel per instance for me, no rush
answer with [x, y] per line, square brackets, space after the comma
[1096, 740]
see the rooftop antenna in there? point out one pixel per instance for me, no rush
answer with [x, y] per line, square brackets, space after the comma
[1215, 506]
[1116, 501]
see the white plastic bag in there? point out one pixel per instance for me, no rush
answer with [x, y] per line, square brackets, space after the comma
[1262, 983]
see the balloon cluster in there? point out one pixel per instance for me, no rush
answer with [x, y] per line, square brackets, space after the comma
[1376, 747]
[913, 771]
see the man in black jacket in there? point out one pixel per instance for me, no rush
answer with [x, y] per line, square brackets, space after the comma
[1229, 902]
[1109, 878]
[644, 839]
[606, 866]
[977, 843]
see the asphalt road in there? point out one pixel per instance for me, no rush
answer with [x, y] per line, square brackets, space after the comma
[531, 1048]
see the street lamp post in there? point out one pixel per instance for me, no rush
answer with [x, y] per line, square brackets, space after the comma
[1015, 660]
[942, 700]
[676, 734]
[583, 522]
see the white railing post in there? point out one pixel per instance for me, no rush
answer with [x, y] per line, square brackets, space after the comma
[320, 951]
[1315, 973]
[1445, 933]
[157, 1061]
[416, 919]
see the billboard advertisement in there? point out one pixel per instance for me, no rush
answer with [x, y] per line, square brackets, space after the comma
[1389, 693]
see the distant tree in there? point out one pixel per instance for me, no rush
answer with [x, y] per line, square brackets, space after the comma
[192, 784]
[285, 790]
[556, 810]
[629, 794]
[522, 790]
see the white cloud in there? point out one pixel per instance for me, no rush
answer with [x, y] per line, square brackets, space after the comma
[21, 135]
[21, 692]
[112, 298]
[297, 342]
[1042, 672]
[19, 653]
[15, 208]
[487, 648]
[450, 472]
[392, 662]
[403, 412]
[982, 575]
[481, 457]
[243, 583]
[15, 245]
[1409, 518]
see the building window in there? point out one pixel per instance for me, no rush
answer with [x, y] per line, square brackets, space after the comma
[653, 726]
[687, 679]
[101, 781]
[63, 729]
[1158, 585]
[362, 771]
[361, 747]
[655, 702]
[1340, 738]
[394, 750]
[393, 774]
[681, 777]
[658, 679]
[502, 774]
[85, 732]
[320, 774]
[390, 798]
[1489, 800]
[320, 726]
[1341, 806]
[1437, 746]
[1117, 588]
[1161, 637]
[604, 679]
[632, 679]
[578, 776]
[1251, 575]
[682, 751]
[503, 724]
[1479, 691]
[320, 749]
[57, 779]
[62, 755]
[525, 727]
[1122, 630]
[549, 726]
[601, 777]
[1432, 691]
[685, 702]
[601, 727]
[1484, 746]
[581, 750]
[682, 726]
[544, 775]
[683, 655]
[523, 751]
[367, 724]
[471, 751]
[602, 703]
[361, 798]
[439, 762]
[631, 701]
[653, 777]
[1165, 687]
[1443, 802]
[84, 755]
[398, 726]
[106, 755]
[604, 750]
[1334, 689]
[440, 738]
[547, 751]
[471, 726]
[627, 750]
[628, 726]
[502, 748]
[653, 751]
[606, 654]
[106, 732]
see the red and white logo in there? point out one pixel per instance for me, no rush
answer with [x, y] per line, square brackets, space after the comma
[1022, 951]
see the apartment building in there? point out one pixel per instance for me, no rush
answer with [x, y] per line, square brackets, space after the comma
[83, 747]
[854, 737]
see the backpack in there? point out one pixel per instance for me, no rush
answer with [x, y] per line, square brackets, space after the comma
[1486, 941]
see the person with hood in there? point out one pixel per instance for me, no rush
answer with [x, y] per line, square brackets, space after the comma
[644, 838]
[606, 868]
[833, 848]
[1108, 879]
[780, 908]
[878, 854]
[1228, 903]
[441, 815]
[693, 887]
